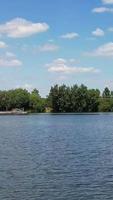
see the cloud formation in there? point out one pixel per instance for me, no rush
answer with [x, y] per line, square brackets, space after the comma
[70, 36]
[102, 10]
[9, 60]
[19, 27]
[65, 67]
[107, 1]
[105, 50]
[98, 32]
[48, 48]
[2, 45]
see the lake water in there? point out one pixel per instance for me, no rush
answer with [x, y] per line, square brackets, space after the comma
[56, 157]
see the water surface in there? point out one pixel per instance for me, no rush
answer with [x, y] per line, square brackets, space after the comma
[56, 157]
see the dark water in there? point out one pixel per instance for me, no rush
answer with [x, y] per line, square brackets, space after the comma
[56, 157]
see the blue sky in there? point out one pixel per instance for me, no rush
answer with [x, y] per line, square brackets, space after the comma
[47, 42]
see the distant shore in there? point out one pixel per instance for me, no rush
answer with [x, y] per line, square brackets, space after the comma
[13, 113]
[72, 113]
[2, 113]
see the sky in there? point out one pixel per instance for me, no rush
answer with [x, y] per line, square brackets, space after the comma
[48, 42]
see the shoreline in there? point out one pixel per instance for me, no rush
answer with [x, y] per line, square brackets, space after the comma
[12, 113]
[2, 113]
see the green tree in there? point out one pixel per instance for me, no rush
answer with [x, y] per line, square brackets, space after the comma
[53, 98]
[36, 103]
[106, 93]
[93, 100]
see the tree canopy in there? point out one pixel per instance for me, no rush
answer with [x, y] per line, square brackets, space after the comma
[74, 99]
[60, 99]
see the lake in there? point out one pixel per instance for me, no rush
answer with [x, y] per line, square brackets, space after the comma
[56, 157]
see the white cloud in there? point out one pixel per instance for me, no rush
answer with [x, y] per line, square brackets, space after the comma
[2, 45]
[98, 32]
[9, 60]
[10, 54]
[64, 66]
[48, 47]
[70, 36]
[105, 50]
[107, 1]
[19, 27]
[102, 10]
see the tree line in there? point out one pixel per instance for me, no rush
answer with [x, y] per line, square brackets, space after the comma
[22, 99]
[60, 99]
[80, 99]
